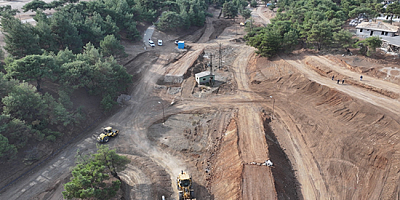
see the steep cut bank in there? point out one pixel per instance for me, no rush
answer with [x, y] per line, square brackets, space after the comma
[354, 144]
[286, 184]
[227, 174]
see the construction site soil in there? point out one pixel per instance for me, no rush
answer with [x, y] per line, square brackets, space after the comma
[326, 140]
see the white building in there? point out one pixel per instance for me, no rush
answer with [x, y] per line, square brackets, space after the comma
[376, 29]
[204, 78]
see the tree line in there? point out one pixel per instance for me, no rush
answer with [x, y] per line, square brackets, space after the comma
[182, 14]
[314, 24]
[27, 115]
[76, 47]
[231, 9]
[72, 27]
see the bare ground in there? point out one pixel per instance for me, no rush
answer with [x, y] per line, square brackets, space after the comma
[326, 140]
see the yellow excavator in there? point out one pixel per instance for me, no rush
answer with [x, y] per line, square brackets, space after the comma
[108, 132]
[184, 184]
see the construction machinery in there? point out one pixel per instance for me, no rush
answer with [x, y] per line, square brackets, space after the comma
[108, 132]
[184, 184]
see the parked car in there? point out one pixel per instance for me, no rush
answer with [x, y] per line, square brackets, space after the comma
[151, 43]
[159, 42]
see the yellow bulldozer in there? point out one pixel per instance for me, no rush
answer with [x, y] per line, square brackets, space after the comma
[108, 132]
[184, 184]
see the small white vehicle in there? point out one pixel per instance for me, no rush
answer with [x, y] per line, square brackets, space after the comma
[159, 42]
[151, 43]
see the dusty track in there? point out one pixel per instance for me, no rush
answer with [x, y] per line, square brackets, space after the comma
[230, 132]
[368, 81]
[258, 182]
[392, 105]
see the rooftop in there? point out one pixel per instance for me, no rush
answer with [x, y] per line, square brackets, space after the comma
[379, 26]
[201, 74]
[392, 40]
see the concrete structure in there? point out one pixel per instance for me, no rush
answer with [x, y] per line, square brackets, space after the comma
[173, 78]
[177, 70]
[386, 32]
[203, 78]
[376, 29]
[181, 45]
[391, 44]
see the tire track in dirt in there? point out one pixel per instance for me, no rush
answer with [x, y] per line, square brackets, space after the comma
[306, 167]
[367, 80]
[258, 182]
[378, 187]
[389, 104]
[148, 180]
[134, 120]
[208, 30]
[260, 13]
[138, 117]
[228, 166]
[138, 180]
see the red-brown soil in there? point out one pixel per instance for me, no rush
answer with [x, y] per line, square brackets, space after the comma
[326, 140]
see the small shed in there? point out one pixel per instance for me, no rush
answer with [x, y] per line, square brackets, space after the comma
[204, 78]
[376, 29]
[181, 45]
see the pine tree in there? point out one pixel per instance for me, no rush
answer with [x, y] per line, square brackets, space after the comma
[20, 38]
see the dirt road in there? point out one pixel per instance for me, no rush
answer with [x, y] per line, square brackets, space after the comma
[258, 182]
[391, 105]
[148, 36]
[326, 140]
[367, 80]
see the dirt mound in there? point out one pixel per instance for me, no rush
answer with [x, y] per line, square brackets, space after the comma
[228, 166]
[324, 70]
[262, 68]
[353, 143]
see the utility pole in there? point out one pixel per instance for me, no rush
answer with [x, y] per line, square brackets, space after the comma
[220, 56]
[211, 72]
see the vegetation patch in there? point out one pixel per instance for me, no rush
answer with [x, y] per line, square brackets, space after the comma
[316, 25]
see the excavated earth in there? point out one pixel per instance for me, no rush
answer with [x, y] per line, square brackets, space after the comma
[325, 140]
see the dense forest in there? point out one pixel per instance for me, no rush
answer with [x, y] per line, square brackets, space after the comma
[74, 48]
[316, 24]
